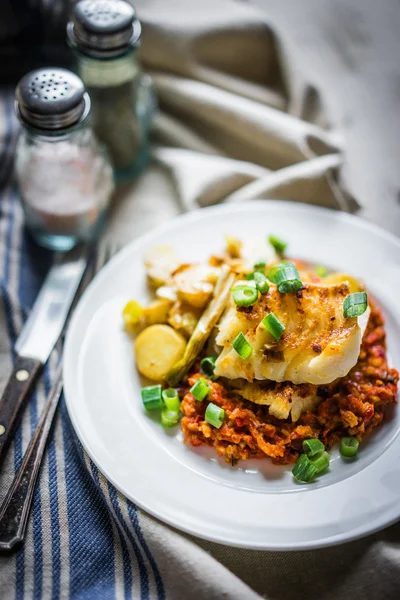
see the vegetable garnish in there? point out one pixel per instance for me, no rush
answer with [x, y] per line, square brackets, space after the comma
[321, 461]
[279, 245]
[171, 399]
[215, 415]
[242, 346]
[286, 277]
[355, 305]
[308, 467]
[348, 446]
[207, 366]
[273, 325]
[321, 271]
[312, 446]
[260, 266]
[304, 470]
[244, 295]
[169, 418]
[151, 397]
[200, 389]
[261, 282]
[313, 462]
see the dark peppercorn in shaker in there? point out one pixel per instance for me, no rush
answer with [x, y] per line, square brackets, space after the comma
[105, 35]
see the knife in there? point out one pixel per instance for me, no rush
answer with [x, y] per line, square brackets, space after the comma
[39, 336]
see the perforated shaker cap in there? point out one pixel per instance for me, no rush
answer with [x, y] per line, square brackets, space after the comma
[103, 28]
[51, 99]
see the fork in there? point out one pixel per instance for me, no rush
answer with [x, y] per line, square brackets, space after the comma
[16, 507]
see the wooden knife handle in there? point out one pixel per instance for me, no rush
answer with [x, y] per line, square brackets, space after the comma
[19, 384]
[14, 512]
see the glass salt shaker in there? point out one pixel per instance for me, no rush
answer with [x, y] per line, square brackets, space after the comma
[105, 35]
[64, 175]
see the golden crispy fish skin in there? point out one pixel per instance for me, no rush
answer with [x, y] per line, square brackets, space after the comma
[282, 399]
[317, 346]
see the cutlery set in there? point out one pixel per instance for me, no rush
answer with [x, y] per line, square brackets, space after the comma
[42, 335]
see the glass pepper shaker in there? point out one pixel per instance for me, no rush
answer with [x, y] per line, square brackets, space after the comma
[64, 175]
[105, 35]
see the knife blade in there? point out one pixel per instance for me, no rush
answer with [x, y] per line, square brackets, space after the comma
[39, 336]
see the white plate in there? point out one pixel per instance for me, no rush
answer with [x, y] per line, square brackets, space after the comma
[254, 505]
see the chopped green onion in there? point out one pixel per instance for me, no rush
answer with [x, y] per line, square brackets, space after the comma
[348, 446]
[273, 325]
[260, 266]
[279, 245]
[261, 282]
[171, 399]
[151, 397]
[312, 446]
[169, 418]
[250, 276]
[355, 305]
[242, 346]
[200, 389]
[215, 415]
[286, 277]
[320, 461]
[276, 273]
[289, 287]
[304, 470]
[321, 271]
[207, 366]
[244, 295]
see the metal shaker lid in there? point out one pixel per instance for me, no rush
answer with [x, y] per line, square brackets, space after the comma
[51, 99]
[103, 28]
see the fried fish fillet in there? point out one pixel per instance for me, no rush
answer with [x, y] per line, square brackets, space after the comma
[317, 346]
[283, 399]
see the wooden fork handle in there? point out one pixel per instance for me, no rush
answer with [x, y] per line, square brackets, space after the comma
[19, 384]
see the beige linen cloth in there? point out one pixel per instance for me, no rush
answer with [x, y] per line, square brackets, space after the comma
[238, 122]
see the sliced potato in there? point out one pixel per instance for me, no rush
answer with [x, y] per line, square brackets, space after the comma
[195, 283]
[160, 262]
[354, 284]
[157, 349]
[184, 317]
[157, 312]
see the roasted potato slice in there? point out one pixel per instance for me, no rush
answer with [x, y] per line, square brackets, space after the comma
[184, 317]
[157, 312]
[195, 283]
[157, 349]
[160, 262]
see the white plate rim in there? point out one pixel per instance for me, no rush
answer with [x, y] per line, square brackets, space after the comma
[188, 218]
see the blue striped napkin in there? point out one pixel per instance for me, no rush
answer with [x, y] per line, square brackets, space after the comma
[84, 539]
